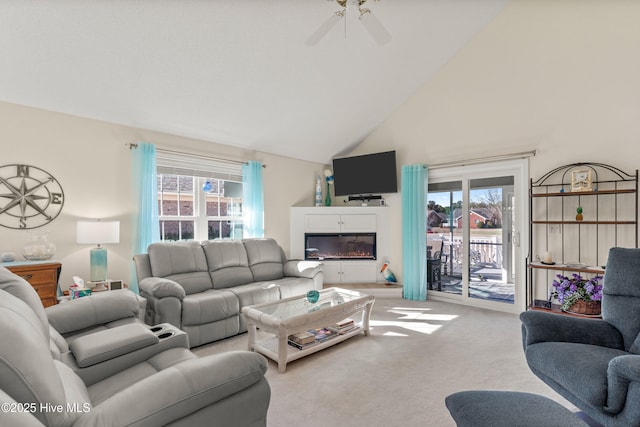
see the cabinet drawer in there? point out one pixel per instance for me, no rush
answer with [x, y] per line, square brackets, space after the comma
[43, 277]
[48, 302]
[45, 291]
[39, 277]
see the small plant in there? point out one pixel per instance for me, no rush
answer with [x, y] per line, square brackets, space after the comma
[569, 290]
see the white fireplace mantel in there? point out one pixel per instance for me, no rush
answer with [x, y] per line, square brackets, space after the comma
[329, 219]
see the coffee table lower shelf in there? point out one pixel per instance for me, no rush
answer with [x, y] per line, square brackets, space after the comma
[270, 346]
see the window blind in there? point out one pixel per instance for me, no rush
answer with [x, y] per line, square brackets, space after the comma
[195, 165]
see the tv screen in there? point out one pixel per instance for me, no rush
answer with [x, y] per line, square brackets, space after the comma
[366, 174]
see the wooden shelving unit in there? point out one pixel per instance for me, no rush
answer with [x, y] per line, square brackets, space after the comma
[610, 218]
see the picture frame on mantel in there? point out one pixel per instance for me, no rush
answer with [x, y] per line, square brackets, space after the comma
[581, 180]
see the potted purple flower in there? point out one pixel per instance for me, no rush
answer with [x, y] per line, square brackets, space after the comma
[577, 294]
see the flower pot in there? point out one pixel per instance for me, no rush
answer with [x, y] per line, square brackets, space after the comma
[588, 308]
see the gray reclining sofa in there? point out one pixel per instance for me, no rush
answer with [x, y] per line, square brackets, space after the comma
[201, 288]
[104, 367]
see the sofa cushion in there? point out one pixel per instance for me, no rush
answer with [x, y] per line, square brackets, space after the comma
[256, 293]
[209, 306]
[266, 259]
[228, 263]
[579, 375]
[76, 393]
[182, 262]
[292, 286]
[122, 380]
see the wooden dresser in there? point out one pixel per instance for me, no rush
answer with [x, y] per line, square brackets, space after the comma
[43, 276]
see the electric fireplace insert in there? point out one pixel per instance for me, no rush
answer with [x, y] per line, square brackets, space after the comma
[339, 246]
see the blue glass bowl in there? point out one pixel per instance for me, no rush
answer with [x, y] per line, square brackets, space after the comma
[312, 296]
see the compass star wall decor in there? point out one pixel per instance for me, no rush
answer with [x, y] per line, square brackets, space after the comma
[29, 197]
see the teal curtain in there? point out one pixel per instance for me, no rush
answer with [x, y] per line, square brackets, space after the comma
[145, 226]
[252, 200]
[414, 232]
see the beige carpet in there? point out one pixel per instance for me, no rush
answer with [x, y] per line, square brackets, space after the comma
[417, 354]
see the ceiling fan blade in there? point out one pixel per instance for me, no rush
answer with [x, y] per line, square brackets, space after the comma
[374, 26]
[324, 29]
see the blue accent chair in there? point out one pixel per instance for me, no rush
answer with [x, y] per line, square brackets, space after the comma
[594, 363]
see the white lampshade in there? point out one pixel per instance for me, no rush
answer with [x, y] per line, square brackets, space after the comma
[97, 232]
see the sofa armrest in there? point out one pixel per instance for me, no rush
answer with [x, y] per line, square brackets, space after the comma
[160, 287]
[180, 390]
[97, 309]
[540, 326]
[300, 268]
[622, 371]
[110, 343]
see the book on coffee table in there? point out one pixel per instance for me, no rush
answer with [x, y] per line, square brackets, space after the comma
[303, 346]
[343, 327]
[302, 338]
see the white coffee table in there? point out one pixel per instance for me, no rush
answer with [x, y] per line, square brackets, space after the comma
[293, 315]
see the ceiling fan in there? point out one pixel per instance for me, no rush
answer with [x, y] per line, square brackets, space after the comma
[370, 22]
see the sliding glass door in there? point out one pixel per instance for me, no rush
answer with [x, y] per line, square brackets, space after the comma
[475, 215]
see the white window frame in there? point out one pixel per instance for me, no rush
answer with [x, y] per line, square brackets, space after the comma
[200, 169]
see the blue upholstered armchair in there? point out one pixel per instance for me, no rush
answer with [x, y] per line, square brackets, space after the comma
[594, 363]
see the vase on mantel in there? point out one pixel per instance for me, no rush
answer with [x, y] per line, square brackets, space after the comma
[38, 247]
[327, 199]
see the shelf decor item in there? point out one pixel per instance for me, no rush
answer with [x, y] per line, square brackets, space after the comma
[318, 193]
[578, 295]
[328, 175]
[579, 216]
[312, 296]
[38, 248]
[581, 180]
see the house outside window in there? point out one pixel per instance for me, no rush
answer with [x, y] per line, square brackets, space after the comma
[199, 199]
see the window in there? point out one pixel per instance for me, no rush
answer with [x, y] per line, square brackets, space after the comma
[198, 199]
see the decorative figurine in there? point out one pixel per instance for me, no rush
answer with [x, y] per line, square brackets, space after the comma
[579, 216]
[387, 273]
[318, 193]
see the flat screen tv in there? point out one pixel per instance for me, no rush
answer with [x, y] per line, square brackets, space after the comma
[366, 174]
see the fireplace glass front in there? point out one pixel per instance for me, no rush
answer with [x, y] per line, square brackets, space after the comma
[339, 246]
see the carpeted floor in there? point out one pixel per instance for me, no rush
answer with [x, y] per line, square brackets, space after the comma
[416, 355]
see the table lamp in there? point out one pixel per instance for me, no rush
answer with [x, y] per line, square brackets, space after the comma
[98, 233]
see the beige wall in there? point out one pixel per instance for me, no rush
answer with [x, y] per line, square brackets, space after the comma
[92, 162]
[559, 77]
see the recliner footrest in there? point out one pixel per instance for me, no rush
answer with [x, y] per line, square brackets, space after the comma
[477, 408]
[104, 345]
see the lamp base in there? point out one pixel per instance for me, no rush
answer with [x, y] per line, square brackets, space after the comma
[98, 264]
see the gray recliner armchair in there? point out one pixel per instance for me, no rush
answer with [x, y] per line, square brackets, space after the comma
[594, 363]
[122, 375]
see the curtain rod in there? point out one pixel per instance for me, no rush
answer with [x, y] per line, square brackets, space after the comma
[200, 156]
[510, 156]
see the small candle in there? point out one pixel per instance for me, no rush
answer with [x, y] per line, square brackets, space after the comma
[547, 258]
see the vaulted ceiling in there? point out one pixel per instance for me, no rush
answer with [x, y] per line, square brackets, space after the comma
[234, 72]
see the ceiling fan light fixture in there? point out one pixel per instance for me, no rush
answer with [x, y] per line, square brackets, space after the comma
[326, 26]
[371, 23]
[374, 26]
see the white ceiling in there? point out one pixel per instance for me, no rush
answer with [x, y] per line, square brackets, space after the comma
[234, 72]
